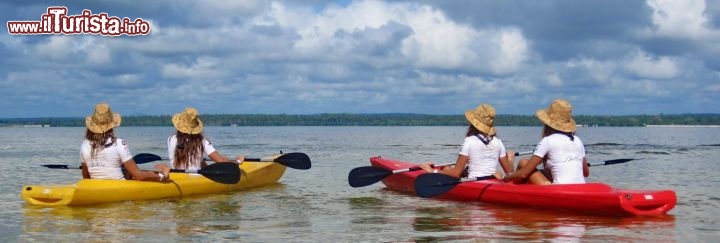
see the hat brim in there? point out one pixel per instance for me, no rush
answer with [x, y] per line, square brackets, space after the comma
[470, 117]
[102, 128]
[560, 126]
[185, 128]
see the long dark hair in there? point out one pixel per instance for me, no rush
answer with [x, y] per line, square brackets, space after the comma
[547, 131]
[99, 141]
[189, 147]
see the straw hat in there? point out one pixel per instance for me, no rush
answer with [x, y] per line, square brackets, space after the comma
[102, 119]
[482, 118]
[188, 121]
[558, 116]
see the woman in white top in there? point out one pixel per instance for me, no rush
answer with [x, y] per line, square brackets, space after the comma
[188, 146]
[481, 150]
[104, 156]
[562, 153]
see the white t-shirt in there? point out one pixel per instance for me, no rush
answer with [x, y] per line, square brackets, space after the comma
[564, 158]
[108, 162]
[483, 159]
[197, 162]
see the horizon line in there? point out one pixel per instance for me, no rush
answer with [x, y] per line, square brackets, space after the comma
[385, 113]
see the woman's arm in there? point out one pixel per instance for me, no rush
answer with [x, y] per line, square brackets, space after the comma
[143, 175]
[218, 158]
[507, 163]
[454, 171]
[586, 168]
[85, 172]
[526, 170]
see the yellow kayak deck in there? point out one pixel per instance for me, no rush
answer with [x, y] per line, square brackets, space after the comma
[93, 191]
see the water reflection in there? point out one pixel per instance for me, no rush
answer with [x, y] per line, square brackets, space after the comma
[106, 222]
[488, 222]
[200, 218]
[208, 217]
[436, 219]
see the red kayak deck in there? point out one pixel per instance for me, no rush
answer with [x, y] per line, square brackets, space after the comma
[591, 198]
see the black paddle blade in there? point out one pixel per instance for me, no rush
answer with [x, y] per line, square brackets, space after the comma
[295, 160]
[617, 161]
[142, 158]
[55, 166]
[225, 173]
[612, 162]
[434, 184]
[367, 175]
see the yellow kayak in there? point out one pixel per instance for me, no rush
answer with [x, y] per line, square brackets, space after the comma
[93, 191]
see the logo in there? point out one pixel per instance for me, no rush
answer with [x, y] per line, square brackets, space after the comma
[57, 22]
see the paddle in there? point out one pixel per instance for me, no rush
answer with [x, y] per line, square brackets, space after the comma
[139, 159]
[612, 162]
[435, 184]
[294, 160]
[368, 175]
[225, 173]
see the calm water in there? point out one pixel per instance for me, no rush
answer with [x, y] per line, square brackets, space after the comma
[317, 205]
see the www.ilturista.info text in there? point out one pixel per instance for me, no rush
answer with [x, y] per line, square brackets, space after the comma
[56, 21]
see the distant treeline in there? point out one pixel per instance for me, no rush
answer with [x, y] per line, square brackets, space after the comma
[391, 119]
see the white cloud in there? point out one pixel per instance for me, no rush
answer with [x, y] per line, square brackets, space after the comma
[96, 50]
[438, 42]
[680, 19]
[434, 41]
[63, 48]
[639, 64]
[597, 71]
[645, 66]
[56, 47]
[513, 50]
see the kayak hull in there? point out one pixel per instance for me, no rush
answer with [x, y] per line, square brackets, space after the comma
[589, 198]
[94, 191]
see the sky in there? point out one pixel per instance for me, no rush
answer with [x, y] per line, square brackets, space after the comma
[606, 57]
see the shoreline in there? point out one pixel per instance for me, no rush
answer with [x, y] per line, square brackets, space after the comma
[713, 126]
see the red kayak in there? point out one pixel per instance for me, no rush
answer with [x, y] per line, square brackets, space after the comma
[592, 198]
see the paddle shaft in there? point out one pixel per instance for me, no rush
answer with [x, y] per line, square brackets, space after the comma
[368, 175]
[433, 184]
[418, 168]
[140, 158]
[294, 160]
[446, 164]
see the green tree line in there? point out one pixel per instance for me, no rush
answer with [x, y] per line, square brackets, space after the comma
[386, 119]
